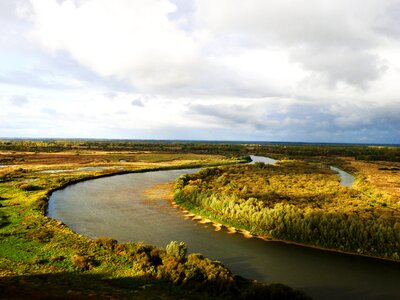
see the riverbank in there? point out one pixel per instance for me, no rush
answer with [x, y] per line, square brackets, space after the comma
[41, 257]
[165, 191]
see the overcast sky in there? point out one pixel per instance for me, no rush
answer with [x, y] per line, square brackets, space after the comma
[284, 70]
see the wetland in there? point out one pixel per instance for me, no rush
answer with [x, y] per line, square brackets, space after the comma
[55, 256]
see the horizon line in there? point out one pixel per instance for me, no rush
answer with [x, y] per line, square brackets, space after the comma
[219, 141]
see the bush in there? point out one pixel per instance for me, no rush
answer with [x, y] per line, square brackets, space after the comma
[39, 234]
[82, 262]
[106, 243]
[259, 165]
[176, 249]
[30, 187]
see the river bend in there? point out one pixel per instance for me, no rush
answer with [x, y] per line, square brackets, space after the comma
[116, 207]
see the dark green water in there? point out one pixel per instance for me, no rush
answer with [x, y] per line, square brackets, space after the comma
[115, 206]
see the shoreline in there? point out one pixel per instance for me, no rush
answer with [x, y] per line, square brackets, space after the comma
[125, 172]
[203, 220]
[248, 235]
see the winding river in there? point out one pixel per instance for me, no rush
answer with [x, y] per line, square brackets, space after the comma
[116, 207]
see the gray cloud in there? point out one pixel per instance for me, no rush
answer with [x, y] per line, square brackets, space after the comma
[137, 102]
[313, 122]
[231, 115]
[330, 38]
[19, 100]
[388, 21]
[341, 65]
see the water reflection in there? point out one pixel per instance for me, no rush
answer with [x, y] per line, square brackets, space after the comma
[346, 179]
[264, 159]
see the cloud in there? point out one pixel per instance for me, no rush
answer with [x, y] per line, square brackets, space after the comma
[110, 95]
[137, 102]
[265, 114]
[342, 65]
[388, 20]
[130, 40]
[305, 121]
[367, 116]
[19, 100]
[333, 39]
[314, 22]
[222, 113]
[49, 111]
[219, 46]
[314, 70]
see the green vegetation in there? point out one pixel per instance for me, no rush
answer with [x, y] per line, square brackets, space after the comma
[275, 150]
[296, 201]
[305, 151]
[122, 146]
[42, 258]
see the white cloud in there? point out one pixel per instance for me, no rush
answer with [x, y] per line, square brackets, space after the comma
[130, 40]
[18, 100]
[316, 70]
[312, 22]
[337, 40]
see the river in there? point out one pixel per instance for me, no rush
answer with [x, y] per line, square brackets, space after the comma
[116, 207]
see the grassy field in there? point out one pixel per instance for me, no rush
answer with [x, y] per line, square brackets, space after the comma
[42, 258]
[383, 176]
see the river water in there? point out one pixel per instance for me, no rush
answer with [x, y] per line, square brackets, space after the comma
[116, 207]
[346, 179]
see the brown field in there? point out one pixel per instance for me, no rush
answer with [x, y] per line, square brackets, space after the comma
[384, 176]
[95, 157]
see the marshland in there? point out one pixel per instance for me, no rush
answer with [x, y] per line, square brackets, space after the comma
[269, 222]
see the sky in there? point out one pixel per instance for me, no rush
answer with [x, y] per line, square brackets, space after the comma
[256, 70]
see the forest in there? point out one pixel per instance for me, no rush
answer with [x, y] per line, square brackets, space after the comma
[297, 201]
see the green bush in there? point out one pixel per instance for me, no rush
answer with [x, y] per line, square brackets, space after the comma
[106, 242]
[176, 249]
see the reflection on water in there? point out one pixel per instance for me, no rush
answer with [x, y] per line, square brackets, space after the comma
[115, 207]
[266, 160]
[346, 179]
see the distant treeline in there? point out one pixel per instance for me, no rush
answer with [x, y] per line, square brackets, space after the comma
[77, 145]
[359, 152]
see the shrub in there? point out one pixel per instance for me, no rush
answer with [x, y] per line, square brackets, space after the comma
[83, 262]
[213, 275]
[39, 234]
[259, 165]
[30, 187]
[106, 243]
[176, 249]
